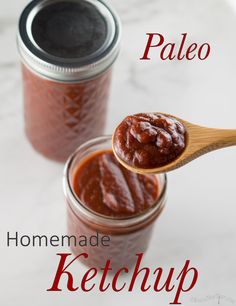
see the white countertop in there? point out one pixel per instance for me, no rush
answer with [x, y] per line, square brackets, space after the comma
[199, 220]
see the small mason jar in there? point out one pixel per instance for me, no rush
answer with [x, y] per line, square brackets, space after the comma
[128, 235]
[67, 48]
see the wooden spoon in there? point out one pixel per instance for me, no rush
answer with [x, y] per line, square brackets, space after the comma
[200, 140]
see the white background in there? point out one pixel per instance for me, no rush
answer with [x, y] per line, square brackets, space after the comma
[199, 220]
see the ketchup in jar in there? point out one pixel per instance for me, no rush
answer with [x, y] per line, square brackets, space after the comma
[105, 199]
[67, 49]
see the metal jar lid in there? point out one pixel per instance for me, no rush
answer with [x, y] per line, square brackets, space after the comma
[68, 40]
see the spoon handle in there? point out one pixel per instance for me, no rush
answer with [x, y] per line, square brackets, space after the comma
[203, 139]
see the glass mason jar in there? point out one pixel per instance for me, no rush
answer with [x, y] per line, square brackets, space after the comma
[67, 48]
[128, 236]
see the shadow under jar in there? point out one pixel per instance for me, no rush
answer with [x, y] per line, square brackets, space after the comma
[67, 49]
[128, 226]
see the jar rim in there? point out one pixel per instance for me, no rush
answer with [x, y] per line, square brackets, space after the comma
[68, 69]
[77, 205]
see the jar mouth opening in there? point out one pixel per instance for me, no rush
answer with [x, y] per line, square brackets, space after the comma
[77, 205]
[78, 57]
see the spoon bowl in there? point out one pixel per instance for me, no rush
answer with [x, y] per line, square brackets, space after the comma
[199, 140]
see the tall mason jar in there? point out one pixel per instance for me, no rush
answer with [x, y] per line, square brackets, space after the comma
[67, 49]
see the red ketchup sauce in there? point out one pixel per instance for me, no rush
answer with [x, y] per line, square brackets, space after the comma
[106, 198]
[149, 140]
